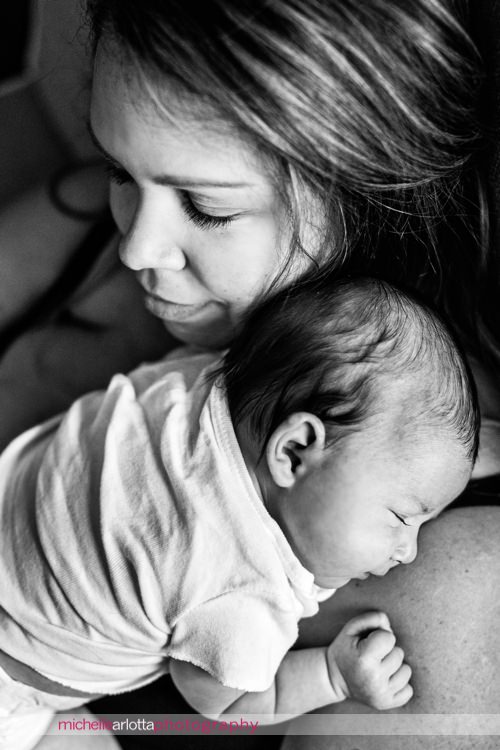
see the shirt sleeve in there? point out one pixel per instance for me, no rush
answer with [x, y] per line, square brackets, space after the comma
[238, 638]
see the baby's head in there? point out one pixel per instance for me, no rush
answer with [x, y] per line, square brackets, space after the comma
[357, 414]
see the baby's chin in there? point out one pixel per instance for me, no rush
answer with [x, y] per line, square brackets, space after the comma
[337, 583]
[332, 583]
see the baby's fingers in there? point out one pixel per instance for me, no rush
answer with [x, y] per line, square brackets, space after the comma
[377, 644]
[360, 624]
[402, 697]
[393, 660]
[400, 679]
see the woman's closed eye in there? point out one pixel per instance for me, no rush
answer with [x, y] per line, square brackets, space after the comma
[200, 218]
[116, 174]
[206, 221]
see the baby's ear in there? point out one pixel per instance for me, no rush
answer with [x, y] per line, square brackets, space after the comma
[294, 447]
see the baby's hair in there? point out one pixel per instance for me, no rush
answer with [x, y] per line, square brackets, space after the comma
[334, 348]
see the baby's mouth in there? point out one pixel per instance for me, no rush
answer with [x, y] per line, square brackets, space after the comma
[381, 574]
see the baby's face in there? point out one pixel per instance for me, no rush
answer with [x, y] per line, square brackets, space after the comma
[360, 510]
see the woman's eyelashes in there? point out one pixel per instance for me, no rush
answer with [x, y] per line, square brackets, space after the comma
[203, 220]
[116, 174]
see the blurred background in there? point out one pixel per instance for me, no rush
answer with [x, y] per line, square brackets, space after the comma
[44, 90]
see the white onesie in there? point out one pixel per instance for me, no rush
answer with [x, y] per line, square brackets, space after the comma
[133, 533]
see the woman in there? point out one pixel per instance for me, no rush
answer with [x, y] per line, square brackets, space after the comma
[276, 136]
[250, 142]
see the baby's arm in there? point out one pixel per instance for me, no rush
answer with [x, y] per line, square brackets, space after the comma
[368, 668]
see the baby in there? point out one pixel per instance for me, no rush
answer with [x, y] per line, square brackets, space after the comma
[146, 534]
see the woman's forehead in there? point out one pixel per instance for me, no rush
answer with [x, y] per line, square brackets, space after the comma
[159, 100]
[129, 113]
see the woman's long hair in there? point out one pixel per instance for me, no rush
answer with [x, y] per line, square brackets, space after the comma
[366, 109]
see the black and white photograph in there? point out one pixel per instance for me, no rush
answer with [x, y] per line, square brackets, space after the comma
[249, 374]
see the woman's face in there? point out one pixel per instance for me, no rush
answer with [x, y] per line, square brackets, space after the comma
[201, 224]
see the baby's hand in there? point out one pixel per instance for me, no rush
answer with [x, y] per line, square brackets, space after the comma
[369, 667]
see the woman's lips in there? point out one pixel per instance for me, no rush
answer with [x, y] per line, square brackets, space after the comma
[172, 311]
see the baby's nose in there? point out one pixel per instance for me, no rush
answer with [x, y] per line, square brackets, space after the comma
[407, 550]
[409, 555]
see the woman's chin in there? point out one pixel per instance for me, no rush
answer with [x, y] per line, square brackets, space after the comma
[205, 336]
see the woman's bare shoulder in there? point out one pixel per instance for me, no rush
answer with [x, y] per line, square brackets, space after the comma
[445, 611]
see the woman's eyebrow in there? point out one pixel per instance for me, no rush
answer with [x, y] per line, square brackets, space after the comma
[166, 179]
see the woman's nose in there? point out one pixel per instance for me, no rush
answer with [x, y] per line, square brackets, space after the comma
[152, 241]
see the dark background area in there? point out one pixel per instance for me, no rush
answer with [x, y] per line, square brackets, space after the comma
[15, 20]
